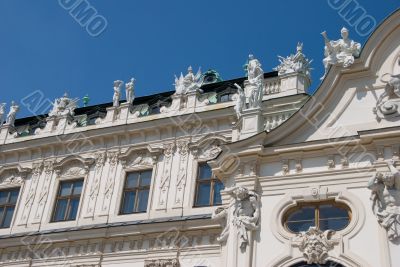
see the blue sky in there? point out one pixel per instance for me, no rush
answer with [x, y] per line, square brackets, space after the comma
[44, 48]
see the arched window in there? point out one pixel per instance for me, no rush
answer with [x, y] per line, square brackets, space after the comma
[323, 215]
[328, 264]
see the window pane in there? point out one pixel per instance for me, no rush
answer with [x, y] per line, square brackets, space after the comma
[203, 194]
[143, 199]
[145, 178]
[8, 217]
[13, 196]
[132, 180]
[60, 210]
[218, 186]
[305, 213]
[78, 187]
[330, 211]
[300, 226]
[65, 189]
[73, 209]
[129, 202]
[204, 172]
[333, 224]
[3, 197]
[1, 215]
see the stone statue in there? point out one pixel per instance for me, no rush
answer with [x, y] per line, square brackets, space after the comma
[12, 114]
[130, 91]
[63, 106]
[2, 112]
[297, 63]
[240, 101]
[117, 92]
[341, 51]
[385, 198]
[189, 82]
[243, 213]
[255, 82]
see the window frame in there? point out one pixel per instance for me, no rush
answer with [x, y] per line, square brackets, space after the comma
[212, 181]
[7, 205]
[316, 206]
[137, 190]
[70, 197]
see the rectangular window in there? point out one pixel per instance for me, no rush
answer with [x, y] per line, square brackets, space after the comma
[136, 192]
[8, 200]
[208, 187]
[67, 202]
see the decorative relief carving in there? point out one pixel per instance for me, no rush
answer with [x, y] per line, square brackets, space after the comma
[11, 177]
[331, 162]
[385, 197]
[315, 245]
[169, 150]
[36, 172]
[100, 159]
[48, 168]
[243, 214]
[112, 161]
[388, 103]
[183, 149]
[285, 167]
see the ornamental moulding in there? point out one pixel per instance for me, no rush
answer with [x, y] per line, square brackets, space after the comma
[13, 175]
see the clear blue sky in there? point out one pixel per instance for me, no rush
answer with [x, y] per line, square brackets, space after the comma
[44, 48]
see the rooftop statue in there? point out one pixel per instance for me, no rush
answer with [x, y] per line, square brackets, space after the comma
[2, 112]
[12, 114]
[130, 91]
[255, 81]
[240, 99]
[297, 63]
[63, 106]
[117, 92]
[340, 52]
[188, 83]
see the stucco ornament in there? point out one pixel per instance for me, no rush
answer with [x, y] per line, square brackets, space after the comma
[188, 83]
[297, 63]
[385, 197]
[12, 114]
[130, 91]
[388, 103]
[340, 52]
[2, 112]
[255, 82]
[315, 244]
[243, 213]
[63, 106]
[117, 92]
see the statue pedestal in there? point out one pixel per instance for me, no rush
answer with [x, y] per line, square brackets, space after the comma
[124, 110]
[192, 99]
[4, 131]
[112, 114]
[294, 83]
[251, 123]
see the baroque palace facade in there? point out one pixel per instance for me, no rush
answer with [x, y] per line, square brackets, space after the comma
[238, 173]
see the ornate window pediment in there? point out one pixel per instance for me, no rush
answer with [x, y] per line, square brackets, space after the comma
[208, 147]
[140, 157]
[13, 175]
[73, 167]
